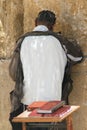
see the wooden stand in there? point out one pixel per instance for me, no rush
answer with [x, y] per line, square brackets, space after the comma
[24, 118]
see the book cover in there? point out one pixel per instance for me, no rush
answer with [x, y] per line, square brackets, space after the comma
[50, 106]
[36, 104]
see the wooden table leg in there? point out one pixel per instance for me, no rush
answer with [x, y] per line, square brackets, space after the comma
[23, 126]
[69, 123]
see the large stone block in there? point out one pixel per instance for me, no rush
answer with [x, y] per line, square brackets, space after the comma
[12, 23]
[80, 67]
[80, 121]
[78, 96]
[6, 85]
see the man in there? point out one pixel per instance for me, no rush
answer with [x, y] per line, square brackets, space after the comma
[38, 65]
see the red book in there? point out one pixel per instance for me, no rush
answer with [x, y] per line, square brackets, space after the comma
[36, 104]
[58, 113]
[50, 106]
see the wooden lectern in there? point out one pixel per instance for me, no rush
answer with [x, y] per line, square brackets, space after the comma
[25, 118]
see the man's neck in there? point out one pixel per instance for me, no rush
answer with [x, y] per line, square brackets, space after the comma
[40, 28]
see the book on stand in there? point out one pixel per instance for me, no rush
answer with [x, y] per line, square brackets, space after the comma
[50, 106]
[35, 105]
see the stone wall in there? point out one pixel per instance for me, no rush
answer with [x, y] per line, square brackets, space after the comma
[16, 18]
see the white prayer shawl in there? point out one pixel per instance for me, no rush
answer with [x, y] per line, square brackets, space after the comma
[43, 61]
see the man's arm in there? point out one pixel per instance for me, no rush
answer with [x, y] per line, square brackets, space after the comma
[15, 63]
[74, 52]
[72, 49]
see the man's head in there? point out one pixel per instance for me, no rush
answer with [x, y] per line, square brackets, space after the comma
[46, 18]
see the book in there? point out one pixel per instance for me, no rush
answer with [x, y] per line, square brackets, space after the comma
[58, 113]
[50, 106]
[36, 104]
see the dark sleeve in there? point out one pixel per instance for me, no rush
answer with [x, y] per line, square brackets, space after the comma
[72, 50]
[15, 64]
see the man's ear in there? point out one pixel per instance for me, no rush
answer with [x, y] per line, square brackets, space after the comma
[36, 22]
[50, 27]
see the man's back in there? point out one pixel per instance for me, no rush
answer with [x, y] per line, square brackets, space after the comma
[44, 61]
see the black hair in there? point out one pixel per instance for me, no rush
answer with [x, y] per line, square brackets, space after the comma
[46, 16]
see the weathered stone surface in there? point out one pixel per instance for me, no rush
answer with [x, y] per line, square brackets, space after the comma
[78, 96]
[80, 67]
[6, 85]
[80, 121]
[16, 18]
[12, 25]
